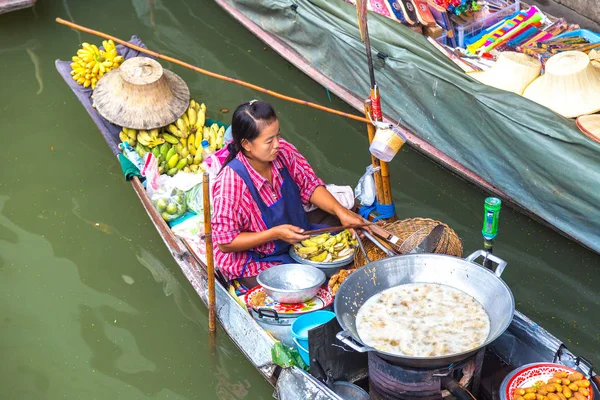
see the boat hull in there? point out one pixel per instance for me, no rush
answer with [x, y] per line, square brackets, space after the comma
[7, 6]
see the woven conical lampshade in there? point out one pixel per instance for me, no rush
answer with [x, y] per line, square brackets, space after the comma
[570, 86]
[512, 72]
[141, 95]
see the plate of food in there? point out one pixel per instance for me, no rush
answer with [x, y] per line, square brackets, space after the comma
[326, 251]
[257, 298]
[553, 381]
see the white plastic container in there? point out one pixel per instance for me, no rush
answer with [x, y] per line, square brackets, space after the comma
[386, 143]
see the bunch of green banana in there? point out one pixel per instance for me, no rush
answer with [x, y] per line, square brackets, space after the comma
[177, 147]
[172, 159]
[327, 248]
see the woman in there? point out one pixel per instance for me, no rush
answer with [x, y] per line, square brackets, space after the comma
[259, 194]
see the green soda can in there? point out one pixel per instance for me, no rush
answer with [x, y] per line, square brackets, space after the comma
[490, 218]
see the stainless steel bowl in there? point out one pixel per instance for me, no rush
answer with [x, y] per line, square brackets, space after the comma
[291, 283]
[329, 268]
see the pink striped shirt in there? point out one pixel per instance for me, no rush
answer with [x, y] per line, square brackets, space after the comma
[235, 211]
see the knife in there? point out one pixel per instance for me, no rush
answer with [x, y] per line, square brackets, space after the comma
[429, 244]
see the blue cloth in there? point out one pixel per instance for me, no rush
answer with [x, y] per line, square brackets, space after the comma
[384, 211]
[287, 210]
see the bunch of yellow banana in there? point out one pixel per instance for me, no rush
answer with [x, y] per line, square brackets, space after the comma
[190, 122]
[129, 136]
[327, 248]
[149, 139]
[91, 63]
[214, 135]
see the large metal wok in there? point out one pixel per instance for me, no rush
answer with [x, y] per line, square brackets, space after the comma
[463, 274]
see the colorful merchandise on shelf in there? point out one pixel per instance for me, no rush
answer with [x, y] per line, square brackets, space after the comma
[503, 31]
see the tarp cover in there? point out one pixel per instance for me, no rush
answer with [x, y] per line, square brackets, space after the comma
[532, 154]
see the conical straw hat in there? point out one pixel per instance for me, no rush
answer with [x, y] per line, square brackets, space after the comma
[590, 126]
[141, 95]
[570, 86]
[512, 72]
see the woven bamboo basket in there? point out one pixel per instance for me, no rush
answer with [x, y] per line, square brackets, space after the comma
[411, 232]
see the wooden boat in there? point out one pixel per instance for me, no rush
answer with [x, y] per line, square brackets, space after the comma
[7, 6]
[274, 32]
[523, 342]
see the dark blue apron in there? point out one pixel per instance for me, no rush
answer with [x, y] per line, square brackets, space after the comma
[287, 210]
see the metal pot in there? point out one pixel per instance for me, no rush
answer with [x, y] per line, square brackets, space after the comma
[466, 275]
[278, 325]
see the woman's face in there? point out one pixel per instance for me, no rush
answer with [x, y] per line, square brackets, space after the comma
[266, 146]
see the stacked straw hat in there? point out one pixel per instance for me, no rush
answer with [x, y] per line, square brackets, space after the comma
[141, 95]
[512, 72]
[570, 86]
[590, 126]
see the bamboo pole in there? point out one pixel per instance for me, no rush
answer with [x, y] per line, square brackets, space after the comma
[373, 110]
[208, 73]
[385, 173]
[375, 162]
[210, 264]
[382, 177]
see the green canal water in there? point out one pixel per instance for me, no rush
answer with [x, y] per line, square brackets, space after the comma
[91, 303]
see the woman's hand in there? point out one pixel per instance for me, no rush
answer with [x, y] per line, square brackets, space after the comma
[288, 233]
[348, 217]
[326, 202]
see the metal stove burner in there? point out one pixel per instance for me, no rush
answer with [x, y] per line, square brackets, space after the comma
[392, 382]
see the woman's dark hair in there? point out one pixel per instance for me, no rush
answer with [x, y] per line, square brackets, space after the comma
[247, 122]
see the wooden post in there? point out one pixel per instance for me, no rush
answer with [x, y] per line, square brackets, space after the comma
[210, 264]
[382, 177]
[374, 160]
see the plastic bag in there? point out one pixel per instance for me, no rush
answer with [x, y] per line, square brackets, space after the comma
[167, 193]
[170, 202]
[194, 199]
[150, 171]
[286, 356]
[183, 180]
[191, 229]
[365, 190]
[343, 194]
